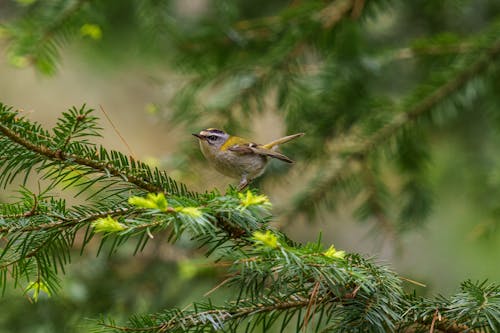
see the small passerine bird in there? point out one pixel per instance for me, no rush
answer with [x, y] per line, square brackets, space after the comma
[237, 157]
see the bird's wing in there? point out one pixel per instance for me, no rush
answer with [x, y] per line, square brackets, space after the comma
[241, 148]
[253, 148]
[271, 153]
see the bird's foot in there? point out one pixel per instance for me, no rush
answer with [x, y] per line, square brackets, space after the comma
[243, 184]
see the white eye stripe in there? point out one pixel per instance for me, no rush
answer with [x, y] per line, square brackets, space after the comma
[214, 131]
[210, 134]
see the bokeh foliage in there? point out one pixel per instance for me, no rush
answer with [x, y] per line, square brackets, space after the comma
[375, 84]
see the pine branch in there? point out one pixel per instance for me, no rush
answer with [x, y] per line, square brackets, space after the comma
[60, 156]
[238, 84]
[61, 222]
[40, 148]
[47, 231]
[337, 10]
[215, 319]
[283, 283]
[61, 20]
[39, 232]
[276, 278]
[329, 15]
[36, 38]
[475, 308]
[349, 164]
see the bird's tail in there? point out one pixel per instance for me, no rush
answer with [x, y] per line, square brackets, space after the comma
[282, 140]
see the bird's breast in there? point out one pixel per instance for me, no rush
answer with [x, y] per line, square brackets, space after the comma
[233, 164]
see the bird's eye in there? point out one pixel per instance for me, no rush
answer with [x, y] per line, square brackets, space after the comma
[212, 137]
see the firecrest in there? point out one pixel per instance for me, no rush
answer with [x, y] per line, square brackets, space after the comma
[237, 157]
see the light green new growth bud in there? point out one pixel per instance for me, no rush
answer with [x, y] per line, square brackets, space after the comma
[36, 287]
[91, 30]
[331, 252]
[250, 199]
[18, 61]
[152, 201]
[267, 239]
[189, 211]
[107, 224]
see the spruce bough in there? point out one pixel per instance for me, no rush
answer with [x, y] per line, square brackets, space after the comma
[279, 283]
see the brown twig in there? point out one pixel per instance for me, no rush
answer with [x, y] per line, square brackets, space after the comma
[357, 8]
[434, 318]
[312, 302]
[226, 280]
[131, 152]
[333, 13]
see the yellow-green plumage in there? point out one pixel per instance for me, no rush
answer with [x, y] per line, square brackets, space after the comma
[231, 141]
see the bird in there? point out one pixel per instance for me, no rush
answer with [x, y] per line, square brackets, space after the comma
[238, 157]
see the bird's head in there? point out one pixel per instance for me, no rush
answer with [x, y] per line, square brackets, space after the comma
[212, 138]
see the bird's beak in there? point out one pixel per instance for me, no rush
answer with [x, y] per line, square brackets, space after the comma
[198, 136]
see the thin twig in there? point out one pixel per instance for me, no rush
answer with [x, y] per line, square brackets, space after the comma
[33, 209]
[312, 303]
[131, 152]
[434, 318]
[420, 284]
[218, 286]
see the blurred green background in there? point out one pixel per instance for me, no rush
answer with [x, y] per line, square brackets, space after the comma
[134, 69]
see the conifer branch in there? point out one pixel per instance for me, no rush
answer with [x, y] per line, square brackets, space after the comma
[269, 72]
[344, 167]
[419, 110]
[342, 307]
[223, 315]
[60, 155]
[329, 16]
[74, 129]
[65, 15]
[43, 147]
[37, 44]
[334, 12]
[271, 280]
[62, 222]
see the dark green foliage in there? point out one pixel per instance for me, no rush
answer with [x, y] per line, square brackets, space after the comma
[324, 65]
[476, 302]
[45, 28]
[42, 229]
[374, 94]
[278, 283]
